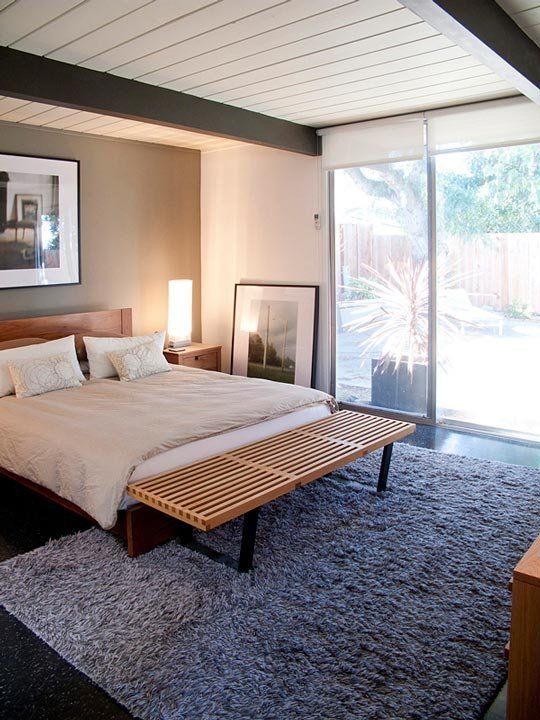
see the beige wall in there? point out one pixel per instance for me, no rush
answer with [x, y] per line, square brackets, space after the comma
[139, 206]
[257, 208]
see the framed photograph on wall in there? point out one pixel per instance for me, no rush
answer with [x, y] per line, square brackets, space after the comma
[275, 332]
[39, 221]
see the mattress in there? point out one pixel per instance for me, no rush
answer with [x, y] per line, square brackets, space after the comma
[87, 443]
[203, 449]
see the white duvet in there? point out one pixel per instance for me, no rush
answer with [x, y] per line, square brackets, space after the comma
[84, 443]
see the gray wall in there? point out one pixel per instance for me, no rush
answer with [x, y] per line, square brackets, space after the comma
[140, 226]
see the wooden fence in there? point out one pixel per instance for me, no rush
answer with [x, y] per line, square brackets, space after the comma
[499, 269]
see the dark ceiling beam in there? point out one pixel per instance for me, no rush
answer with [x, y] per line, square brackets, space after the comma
[482, 28]
[39, 79]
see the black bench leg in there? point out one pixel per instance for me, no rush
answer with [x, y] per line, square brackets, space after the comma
[249, 531]
[385, 466]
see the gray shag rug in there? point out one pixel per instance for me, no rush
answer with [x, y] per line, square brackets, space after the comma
[361, 606]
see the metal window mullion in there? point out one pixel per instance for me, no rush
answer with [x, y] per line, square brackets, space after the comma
[332, 282]
[432, 305]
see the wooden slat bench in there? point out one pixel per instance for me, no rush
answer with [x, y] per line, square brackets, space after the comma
[208, 493]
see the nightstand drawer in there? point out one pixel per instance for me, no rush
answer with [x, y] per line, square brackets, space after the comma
[197, 355]
[208, 361]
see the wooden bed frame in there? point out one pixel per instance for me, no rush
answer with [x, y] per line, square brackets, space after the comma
[236, 483]
[141, 527]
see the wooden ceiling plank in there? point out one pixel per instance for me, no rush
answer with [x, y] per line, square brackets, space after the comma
[267, 30]
[528, 17]
[484, 29]
[392, 76]
[363, 47]
[307, 48]
[463, 78]
[55, 113]
[7, 104]
[515, 6]
[422, 101]
[123, 30]
[91, 124]
[64, 123]
[317, 77]
[21, 18]
[534, 33]
[79, 21]
[114, 125]
[25, 111]
[443, 101]
[177, 29]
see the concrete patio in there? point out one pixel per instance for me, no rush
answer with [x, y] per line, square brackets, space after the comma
[486, 378]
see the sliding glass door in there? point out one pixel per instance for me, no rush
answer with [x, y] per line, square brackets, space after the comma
[473, 280]
[488, 329]
[382, 285]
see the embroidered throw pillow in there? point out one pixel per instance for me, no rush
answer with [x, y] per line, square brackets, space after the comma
[139, 361]
[36, 352]
[42, 375]
[98, 349]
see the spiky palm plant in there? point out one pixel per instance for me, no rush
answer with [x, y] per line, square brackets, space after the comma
[397, 317]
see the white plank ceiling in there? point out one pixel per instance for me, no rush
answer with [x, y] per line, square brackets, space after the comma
[49, 116]
[526, 13]
[315, 62]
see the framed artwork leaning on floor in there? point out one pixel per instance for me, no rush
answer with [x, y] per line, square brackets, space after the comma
[275, 332]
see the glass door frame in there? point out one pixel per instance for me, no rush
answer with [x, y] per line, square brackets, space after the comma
[430, 417]
[431, 407]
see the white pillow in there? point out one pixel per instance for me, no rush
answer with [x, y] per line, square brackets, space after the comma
[43, 375]
[97, 349]
[139, 361]
[34, 352]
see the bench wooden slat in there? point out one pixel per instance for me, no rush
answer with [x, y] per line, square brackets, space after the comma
[210, 492]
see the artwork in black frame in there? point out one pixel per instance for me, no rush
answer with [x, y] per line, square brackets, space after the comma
[275, 332]
[39, 221]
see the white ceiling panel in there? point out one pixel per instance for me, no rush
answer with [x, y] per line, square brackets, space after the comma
[389, 95]
[311, 61]
[42, 117]
[88, 15]
[303, 51]
[182, 28]
[25, 16]
[325, 75]
[223, 84]
[373, 90]
[526, 13]
[25, 111]
[139, 22]
[77, 121]
[8, 104]
[413, 103]
[275, 27]
[350, 83]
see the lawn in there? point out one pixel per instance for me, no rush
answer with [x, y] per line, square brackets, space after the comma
[270, 372]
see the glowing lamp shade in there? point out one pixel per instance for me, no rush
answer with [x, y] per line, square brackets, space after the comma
[179, 325]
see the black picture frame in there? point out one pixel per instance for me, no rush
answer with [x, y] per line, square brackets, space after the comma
[315, 329]
[65, 277]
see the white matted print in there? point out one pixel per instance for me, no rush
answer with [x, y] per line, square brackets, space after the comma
[39, 221]
[274, 332]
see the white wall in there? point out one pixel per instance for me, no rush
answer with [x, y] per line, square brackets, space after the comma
[257, 225]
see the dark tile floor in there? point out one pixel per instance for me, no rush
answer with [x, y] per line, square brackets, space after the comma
[37, 684]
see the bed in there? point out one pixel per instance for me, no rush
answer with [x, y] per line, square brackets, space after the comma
[89, 447]
[141, 526]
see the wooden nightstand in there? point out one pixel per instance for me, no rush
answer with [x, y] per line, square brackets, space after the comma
[197, 355]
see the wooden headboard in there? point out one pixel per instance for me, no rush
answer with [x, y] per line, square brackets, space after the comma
[56, 326]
